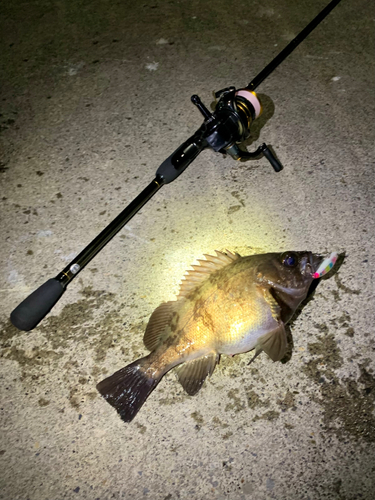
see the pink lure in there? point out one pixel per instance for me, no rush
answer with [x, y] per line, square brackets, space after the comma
[326, 265]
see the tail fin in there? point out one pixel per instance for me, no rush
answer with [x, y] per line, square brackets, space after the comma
[127, 389]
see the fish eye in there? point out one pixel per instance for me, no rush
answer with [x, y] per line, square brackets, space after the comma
[289, 259]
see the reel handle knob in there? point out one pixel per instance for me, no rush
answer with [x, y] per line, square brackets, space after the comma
[202, 108]
[277, 166]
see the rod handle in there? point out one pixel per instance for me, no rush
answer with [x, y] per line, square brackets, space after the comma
[176, 163]
[32, 310]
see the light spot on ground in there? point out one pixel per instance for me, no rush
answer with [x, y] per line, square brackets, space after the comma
[152, 66]
[73, 70]
[44, 233]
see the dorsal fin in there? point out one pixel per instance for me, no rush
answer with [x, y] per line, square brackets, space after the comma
[200, 272]
[157, 324]
[192, 374]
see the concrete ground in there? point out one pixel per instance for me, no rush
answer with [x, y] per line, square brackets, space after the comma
[95, 95]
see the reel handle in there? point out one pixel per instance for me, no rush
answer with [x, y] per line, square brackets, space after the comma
[263, 150]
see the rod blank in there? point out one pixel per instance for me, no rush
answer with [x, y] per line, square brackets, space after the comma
[255, 82]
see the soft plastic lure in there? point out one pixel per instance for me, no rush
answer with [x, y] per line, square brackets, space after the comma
[326, 265]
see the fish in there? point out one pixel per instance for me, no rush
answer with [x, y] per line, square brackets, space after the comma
[227, 304]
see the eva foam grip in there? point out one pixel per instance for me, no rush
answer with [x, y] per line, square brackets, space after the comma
[32, 310]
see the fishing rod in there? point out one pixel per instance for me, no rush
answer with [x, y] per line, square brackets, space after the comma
[223, 131]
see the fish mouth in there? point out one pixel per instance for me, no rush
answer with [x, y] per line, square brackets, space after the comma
[315, 266]
[310, 263]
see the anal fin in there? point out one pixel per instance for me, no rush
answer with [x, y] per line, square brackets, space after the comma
[192, 374]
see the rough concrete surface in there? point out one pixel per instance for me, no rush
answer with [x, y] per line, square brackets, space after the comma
[94, 96]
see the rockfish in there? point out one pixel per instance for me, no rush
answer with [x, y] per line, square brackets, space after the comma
[227, 304]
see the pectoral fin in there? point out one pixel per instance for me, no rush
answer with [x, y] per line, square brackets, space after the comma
[192, 374]
[273, 343]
